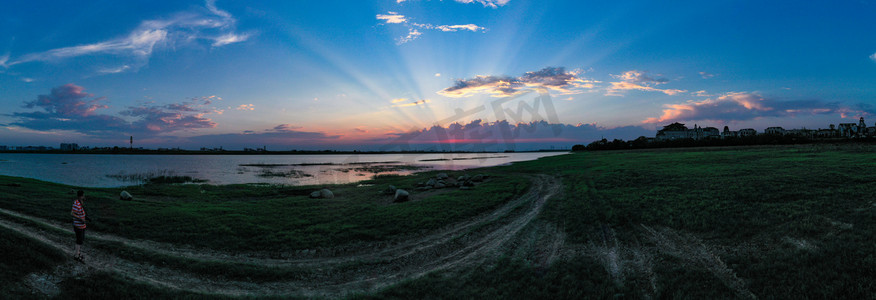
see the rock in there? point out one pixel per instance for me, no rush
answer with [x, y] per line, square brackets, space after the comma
[390, 190]
[431, 182]
[424, 188]
[465, 188]
[468, 183]
[124, 195]
[441, 176]
[440, 185]
[401, 196]
[478, 178]
[462, 178]
[323, 193]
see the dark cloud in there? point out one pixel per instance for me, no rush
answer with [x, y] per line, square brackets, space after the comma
[282, 137]
[68, 100]
[498, 136]
[284, 128]
[550, 78]
[745, 106]
[68, 107]
[168, 118]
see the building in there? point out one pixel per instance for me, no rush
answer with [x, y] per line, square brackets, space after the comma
[774, 131]
[69, 147]
[677, 130]
[747, 132]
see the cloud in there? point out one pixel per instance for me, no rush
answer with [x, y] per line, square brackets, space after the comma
[397, 100]
[437, 74]
[69, 107]
[282, 135]
[114, 70]
[68, 100]
[392, 18]
[413, 33]
[139, 44]
[622, 86]
[409, 104]
[168, 118]
[245, 107]
[550, 78]
[478, 135]
[451, 28]
[283, 127]
[486, 3]
[638, 80]
[705, 75]
[742, 106]
[639, 77]
[230, 38]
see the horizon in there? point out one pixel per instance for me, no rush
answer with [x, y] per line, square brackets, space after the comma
[459, 75]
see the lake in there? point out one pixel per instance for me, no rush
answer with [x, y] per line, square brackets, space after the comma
[105, 170]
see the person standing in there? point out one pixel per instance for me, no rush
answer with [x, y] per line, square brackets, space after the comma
[79, 217]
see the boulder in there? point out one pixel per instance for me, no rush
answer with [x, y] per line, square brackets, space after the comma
[323, 193]
[468, 183]
[442, 176]
[462, 178]
[440, 185]
[401, 196]
[124, 195]
[478, 178]
[431, 182]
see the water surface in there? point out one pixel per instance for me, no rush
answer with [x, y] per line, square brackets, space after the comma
[105, 170]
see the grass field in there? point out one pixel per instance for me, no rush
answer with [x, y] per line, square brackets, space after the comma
[765, 222]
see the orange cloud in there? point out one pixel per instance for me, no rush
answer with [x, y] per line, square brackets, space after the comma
[743, 106]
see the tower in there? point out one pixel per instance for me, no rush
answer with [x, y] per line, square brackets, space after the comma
[132, 143]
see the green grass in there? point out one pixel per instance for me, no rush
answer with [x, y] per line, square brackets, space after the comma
[789, 221]
[260, 217]
[22, 256]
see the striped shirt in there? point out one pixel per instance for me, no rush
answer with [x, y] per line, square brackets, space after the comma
[79, 212]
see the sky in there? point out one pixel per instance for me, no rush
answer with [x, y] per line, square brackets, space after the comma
[425, 74]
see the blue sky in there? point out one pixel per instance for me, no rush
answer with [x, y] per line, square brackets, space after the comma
[362, 74]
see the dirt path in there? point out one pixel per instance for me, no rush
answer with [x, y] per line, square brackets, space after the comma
[330, 273]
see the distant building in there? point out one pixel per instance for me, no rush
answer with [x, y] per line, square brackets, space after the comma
[69, 147]
[679, 131]
[853, 130]
[728, 134]
[774, 131]
[747, 132]
[4, 148]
